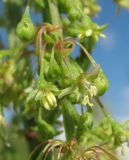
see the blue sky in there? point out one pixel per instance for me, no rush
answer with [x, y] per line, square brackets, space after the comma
[112, 54]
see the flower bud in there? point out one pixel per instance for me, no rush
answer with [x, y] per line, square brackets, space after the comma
[45, 103]
[25, 29]
[101, 83]
[49, 101]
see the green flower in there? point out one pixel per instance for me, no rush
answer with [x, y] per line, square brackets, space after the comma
[87, 98]
[49, 101]
[46, 96]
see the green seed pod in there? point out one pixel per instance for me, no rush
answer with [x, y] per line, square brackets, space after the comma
[75, 96]
[73, 30]
[73, 10]
[54, 69]
[25, 29]
[75, 67]
[72, 98]
[101, 83]
[64, 5]
[86, 20]
[74, 14]
[70, 71]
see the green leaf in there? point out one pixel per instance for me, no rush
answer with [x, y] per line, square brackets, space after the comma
[39, 95]
[85, 123]
[50, 86]
[54, 69]
[32, 95]
[66, 91]
[45, 128]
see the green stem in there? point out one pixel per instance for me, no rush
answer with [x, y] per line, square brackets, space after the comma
[70, 118]
[55, 16]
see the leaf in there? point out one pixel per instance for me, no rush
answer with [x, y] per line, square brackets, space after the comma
[39, 95]
[32, 95]
[84, 124]
[48, 39]
[52, 87]
[54, 69]
[45, 128]
[66, 91]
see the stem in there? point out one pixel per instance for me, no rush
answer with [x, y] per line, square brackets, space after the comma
[70, 118]
[67, 109]
[42, 61]
[86, 53]
[55, 16]
[101, 106]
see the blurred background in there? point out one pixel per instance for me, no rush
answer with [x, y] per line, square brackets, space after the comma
[111, 53]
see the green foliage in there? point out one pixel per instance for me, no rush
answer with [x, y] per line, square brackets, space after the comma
[70, 118]
[25, 28]
[101, 83]
[122, 4]
[41, 91]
